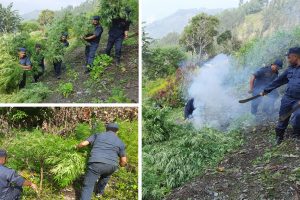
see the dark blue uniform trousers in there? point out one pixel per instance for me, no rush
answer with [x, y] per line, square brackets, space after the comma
[90, 53]
[94, 172]
[23, 81]
[118, 42]
[57, 67]
[287, 104]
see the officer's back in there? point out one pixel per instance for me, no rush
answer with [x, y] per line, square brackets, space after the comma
[106, 148]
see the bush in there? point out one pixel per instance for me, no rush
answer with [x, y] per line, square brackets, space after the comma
[166, 91]
[118, 96]
[100, 64]
[33, 93]
[41, 152]
[66, 89]
[162, 62]
[155, 126]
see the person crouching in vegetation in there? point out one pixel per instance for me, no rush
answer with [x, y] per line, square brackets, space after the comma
[11, 183]
[107, 151]
[40, 62]
[117, 33]
[58, 63]
[93, 43]
[25, 64]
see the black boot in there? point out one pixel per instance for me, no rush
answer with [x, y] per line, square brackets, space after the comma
[279, 136]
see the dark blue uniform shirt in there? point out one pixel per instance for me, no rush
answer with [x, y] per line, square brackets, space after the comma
[118, 27]
[107, 148]
[25, 61]
[291, 77]
[9, 179]
[65, 43]
[263, 77]
[98, 32]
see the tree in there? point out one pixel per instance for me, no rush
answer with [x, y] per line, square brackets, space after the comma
[46, 17]
[9, 19]
[162, 62]
[198, 35]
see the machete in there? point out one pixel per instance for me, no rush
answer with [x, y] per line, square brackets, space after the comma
[250, 99]
[284, 117]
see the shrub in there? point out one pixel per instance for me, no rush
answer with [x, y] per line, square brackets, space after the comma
[33, 93]
[100, 64]
[166, 91]
[162, 62]
[41, 152]
[118, 96]
[66, 89]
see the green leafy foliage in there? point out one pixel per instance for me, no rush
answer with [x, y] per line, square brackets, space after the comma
[39, 152]
[9, 19]
[111, 9]
[166, 91]
[162, 62]
[180, 153]
[81, 26]
[101, 62]
[198, 36]
[156, 128]
[46, 17]
[66, 89]
[118, 96]
[55, 48]
[29, 26]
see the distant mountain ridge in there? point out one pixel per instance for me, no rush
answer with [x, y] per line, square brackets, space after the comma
[175, 22]
[33, 15]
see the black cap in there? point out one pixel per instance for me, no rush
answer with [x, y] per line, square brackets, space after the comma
[64, 34]
[96, 18]
[22, 49]
[3, 153]
[294, 50]
[112, 126]
[278, 63]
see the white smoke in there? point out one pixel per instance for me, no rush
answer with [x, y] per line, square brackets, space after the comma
[214, 97]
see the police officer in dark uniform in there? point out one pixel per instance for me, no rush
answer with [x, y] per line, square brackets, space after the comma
[58, 63]
[291, 98]
[108, 152]
[40, 62]
[93, 43]
[189, 109]
[10, 182]
[25, 64]
[117, 33]
[259, 81]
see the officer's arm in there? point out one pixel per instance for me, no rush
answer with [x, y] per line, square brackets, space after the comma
[281, 80]
[123, 161]
[26, 67]
[83, 144]
[90, 37]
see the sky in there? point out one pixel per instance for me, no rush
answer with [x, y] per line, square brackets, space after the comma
[153, 10]
[26, 6]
